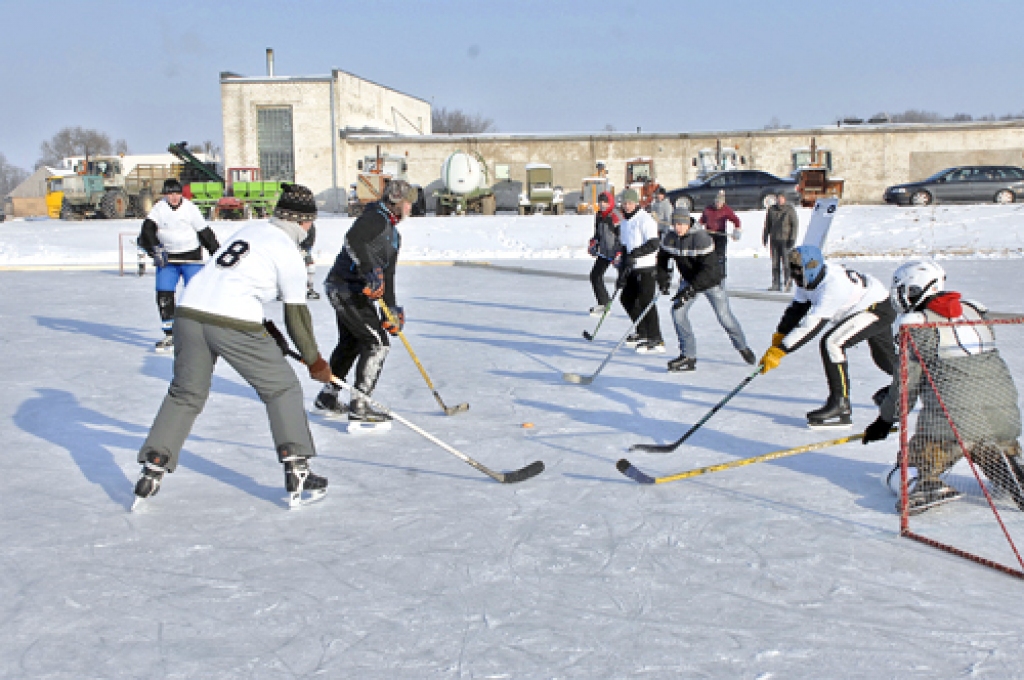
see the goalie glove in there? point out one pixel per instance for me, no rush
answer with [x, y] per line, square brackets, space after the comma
[160, 258]
[399, 315]
[374, 288]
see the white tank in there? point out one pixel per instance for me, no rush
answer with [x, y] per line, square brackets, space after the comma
[462, 173]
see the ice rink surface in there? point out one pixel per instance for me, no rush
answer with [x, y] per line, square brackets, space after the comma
[418, 566]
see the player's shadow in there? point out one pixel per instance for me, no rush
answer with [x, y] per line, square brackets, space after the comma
[103, 331]
[89, 436]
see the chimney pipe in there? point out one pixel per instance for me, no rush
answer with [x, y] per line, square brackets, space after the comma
[270, 62]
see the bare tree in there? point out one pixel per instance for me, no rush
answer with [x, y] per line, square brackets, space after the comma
[76, 141]
[457, 121]
[10, 176]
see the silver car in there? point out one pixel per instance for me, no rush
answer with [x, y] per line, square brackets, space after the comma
[964, 184]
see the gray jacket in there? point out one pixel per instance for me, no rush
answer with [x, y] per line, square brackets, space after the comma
[661, 211]
[973, 381]
[781, 225]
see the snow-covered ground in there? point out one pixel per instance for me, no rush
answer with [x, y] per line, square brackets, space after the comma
[416, 565]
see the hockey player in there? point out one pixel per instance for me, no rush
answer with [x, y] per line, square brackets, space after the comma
[307, 255]
[974, 385]
[699, 273]
[852, 306]
[363, 273]
[604, 247]
[171, 235]
[220, 315]
[639, 234]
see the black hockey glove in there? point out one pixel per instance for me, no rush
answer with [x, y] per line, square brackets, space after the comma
[685, 294]
[160, 258]
[876, 431]
[664, 282]
[399, 314]
[374, 288]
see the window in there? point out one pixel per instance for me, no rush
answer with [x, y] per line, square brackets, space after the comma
[1013, 173]
[277, 155]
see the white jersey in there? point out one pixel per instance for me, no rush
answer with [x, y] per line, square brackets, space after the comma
[259, 263]
[841, 293]
[177, 227]
[636, 231]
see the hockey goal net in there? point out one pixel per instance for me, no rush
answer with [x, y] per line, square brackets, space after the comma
[960, 479]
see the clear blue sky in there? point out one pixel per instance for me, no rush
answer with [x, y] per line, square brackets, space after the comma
[148, 71]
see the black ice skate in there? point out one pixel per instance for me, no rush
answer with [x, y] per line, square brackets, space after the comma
[166, 345]
[633, 339]
[364, 418]
[651, 347]
[681, 364]
[328, 406]
[299, 480]
[927, 495]
[312, 294]
[152, 474]
[835, 413]
[748, 356]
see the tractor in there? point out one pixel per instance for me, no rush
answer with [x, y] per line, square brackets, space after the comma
[540, 196]
[593, 187]
[374, 174]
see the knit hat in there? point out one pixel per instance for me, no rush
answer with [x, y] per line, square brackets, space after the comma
[681, 214]
[296, 204]
[171, 186]
[399, 190]
[630, 196]
[661, 191]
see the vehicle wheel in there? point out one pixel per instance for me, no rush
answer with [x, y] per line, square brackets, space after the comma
[921, 198]
[685, 202]
[68, 213]
[488, 205]
[767, 201]
[1005, 196]
[559, 208]
[114, 205]
[419, 208]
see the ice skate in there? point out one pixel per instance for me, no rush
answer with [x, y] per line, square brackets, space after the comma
[651, 347]
[302, 485]
[597, 311]
[165, 346]
[632, 340]
[328, 406]
[748, 356]
[363, 418]
[312, 294]
[682, 363]
[926, 495]
[152, 474]
[835, 413]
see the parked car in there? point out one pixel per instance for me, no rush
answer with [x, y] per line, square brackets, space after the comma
[743, 189]
[963, 184]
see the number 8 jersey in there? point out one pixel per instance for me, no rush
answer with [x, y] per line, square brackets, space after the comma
[257, 264]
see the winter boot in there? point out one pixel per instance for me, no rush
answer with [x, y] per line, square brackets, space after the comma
[153, 471]
[651, 347]
[298, 478]
[682, 363]
[327, 404]
[835, 413]
[633, 339]
[748, 356]
[165, 345]
[927, 494]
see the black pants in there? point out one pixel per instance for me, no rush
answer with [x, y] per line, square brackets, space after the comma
[638, 292]
[721, 242]
[360, 336]
[597, 280]
[780, 264]
[874, 324]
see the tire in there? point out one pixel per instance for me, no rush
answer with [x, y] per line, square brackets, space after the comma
[685, 202]
[419, 208]
[1004, 197]
[921, 198]
[114, 205]
[488, 205]
[68, 213]
[768, 200]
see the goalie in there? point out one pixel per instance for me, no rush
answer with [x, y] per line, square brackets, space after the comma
[972, 381]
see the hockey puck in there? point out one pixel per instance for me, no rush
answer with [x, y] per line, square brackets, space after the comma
[527, 426]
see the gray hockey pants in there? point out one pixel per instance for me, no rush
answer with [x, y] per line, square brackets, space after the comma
[257, 358]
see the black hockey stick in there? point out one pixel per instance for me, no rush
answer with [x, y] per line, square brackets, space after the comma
[586, 380]
[666, 448]
[448, 410]
[531, 470]
[607, 308]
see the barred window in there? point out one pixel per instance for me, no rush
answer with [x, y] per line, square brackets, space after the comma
[277, 155]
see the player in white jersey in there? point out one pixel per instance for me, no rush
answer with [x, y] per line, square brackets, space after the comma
[221, 315]
[171, 235]
[853, 307]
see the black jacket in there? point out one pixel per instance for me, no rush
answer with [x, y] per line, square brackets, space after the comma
[606, 233]
[694, 256]
[372, 242]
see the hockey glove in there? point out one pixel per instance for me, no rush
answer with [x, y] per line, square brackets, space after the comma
[685, 294]
[374, 288]
[736, 234]
[399, 314]
[876, 431]
[592, 247]
[777, 339]
[320, 370]
[772, 358]
[160, 258]
[664, 282]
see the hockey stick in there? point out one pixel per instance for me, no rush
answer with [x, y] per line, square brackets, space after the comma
[531, 470]
[586, 380]
[666, 448]
[607, 308]
[448, 411]
[627, 468]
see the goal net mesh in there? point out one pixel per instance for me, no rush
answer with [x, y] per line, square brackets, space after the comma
[960, 480]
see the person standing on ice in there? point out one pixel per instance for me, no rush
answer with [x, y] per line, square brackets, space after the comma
[781, 226]
[604, 248]
[639, 234]
[363, 273]
[715, 219]
[221, 315]
[972, 381]
[693, 253]
[661, 211]
[853, 307]
[174, 230]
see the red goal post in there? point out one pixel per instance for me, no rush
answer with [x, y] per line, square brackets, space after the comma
[960, 426]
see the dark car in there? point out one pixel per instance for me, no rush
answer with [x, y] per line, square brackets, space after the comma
[743, 189]
[964, 184]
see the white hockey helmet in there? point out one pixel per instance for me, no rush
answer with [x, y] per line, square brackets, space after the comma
[915, 282]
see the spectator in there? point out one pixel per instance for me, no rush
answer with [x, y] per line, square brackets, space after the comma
[715, 219]
[661, 211]
[781, 226]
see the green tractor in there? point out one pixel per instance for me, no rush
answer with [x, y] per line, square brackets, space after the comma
[95, 190]
[540, 195]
